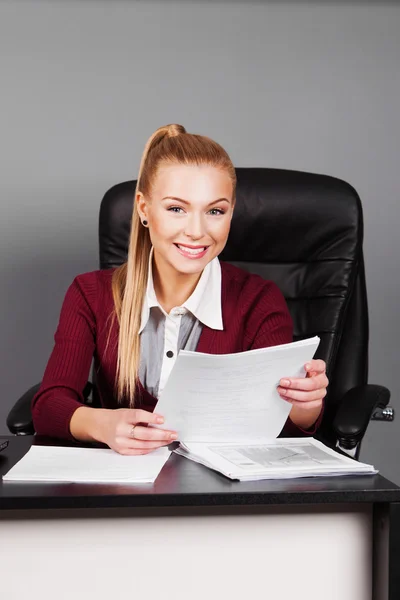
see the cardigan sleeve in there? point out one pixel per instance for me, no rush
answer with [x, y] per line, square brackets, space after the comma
[270, 323]
[275, 327]
[67, 370]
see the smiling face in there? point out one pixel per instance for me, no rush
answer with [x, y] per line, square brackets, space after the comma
[189, 216]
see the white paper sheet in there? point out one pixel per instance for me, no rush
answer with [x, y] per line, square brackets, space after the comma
[232, 397]
[87, 465]
[279, 459]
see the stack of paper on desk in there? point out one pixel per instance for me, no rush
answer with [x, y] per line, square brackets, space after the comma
[87, 465]
[278, 459]
[228, 414]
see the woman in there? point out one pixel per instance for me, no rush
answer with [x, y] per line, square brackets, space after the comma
[172, 293]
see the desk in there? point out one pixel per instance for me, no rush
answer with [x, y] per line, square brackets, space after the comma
[194, 534]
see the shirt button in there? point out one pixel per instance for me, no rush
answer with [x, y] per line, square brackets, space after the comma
[170, 354]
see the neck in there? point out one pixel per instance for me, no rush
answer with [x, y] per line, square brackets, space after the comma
[171, 287]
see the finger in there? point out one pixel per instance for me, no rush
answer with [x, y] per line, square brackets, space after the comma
[301, 395]
[151, 434]
[134, 451]
[137, 415]
[123, 445]
[316, 365]
[305, 383]
[143, 445]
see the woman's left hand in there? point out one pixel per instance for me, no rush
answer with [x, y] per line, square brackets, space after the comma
[306, 393]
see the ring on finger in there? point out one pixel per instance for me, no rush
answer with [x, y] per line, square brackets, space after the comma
[132, 433]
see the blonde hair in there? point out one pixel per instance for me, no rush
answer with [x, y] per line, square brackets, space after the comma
[170, 144]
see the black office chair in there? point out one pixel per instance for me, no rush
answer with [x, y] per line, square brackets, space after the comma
[305, 232]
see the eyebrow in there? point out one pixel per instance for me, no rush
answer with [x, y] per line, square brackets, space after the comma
[186, 202]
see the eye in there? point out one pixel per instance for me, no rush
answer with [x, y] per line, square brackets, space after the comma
[175, 209]
[217, 211]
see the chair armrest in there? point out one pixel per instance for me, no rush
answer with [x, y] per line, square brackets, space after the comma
[19, 420]
[355, 412]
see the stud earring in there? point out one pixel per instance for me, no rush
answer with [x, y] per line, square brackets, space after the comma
[144, 223]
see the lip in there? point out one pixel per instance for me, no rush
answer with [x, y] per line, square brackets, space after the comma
[190, 246]
[191, 256]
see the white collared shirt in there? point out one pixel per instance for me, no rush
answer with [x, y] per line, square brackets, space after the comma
[203, 307]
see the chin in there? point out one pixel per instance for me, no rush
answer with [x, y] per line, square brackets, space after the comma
[191, 269]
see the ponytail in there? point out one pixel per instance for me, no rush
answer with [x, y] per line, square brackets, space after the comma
[170, 144]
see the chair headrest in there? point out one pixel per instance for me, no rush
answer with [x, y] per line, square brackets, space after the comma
[281, 216]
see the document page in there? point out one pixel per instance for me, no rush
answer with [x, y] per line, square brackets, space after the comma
[285, 457]
[295, 456]
[232, 397]
[87, 465]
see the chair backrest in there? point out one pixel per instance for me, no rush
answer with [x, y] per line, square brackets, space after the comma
[305, 232]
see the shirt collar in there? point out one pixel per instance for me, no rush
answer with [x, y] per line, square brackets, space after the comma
[204, 303]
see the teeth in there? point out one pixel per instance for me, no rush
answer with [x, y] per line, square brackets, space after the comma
[191, 250]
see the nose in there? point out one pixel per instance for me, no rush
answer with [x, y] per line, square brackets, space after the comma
[194, 227]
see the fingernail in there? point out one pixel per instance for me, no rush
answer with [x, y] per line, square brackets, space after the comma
[308, 366]
[160, 419]
[284, 382]
[173, 436]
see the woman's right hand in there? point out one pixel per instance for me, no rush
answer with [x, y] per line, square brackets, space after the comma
[128, 431]
[125, 430]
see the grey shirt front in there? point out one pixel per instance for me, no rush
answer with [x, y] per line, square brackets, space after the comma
[152, 345]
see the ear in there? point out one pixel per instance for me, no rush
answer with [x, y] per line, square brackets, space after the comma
[141, 205]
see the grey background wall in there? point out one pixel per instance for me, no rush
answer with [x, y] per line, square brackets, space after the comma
[313, 86]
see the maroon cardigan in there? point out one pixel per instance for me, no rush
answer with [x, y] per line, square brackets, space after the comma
[254, 315]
